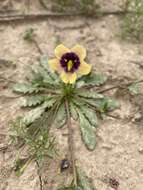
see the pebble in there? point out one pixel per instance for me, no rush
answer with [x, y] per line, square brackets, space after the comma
[140, 149]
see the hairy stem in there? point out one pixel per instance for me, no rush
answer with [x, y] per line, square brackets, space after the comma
[71, 142]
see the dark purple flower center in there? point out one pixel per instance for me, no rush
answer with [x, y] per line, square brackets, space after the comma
[70, 62]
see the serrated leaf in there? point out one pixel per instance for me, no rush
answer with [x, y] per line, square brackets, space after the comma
[83, 180]
[25, 88]
[48, 80]
[78, 103]
[133, 89]
[49, 101]
[42, 77]
[87, 132]
[90, 94]
[93, 79]
[32, 115]
[45, 65]
[60, 119]
[44, 62]
[31, 101]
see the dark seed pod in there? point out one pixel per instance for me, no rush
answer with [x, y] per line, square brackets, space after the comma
[64, 164]
[114, 183]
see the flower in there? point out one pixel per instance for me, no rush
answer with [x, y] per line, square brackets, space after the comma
[70, 62]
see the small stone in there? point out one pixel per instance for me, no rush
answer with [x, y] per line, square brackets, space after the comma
[113, 183]
[65, 164]
[107, 146]
[137, 117]
[140, 149]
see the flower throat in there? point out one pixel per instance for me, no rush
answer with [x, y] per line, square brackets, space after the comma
[70, 62]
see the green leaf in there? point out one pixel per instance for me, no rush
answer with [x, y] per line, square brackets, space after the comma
[83, 180]
[17, 130]
[44, 62]
[81, 105]
[78, 188]
[112, 103]
[106, 104]
[60, 119]
[42, 145]
[90, 115]
[80, 84]
[25, 88]
[52, 81]
[21, 165]
[132, 24]
[31, 101]
[41, 77]
[133, 89]
[66, 188]
[45, 65]
[49, 101]
[71, 188]
[90, 95]
[32, 115]
[29, 34]
[93, 79]
[87, 132]
[78, 102]
[73, 111]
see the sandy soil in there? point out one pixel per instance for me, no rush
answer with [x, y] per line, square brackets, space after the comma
[119, 151]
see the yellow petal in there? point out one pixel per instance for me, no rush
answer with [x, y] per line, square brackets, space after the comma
[72, 78]
[84, 68]
[80, 51]
[60, 50]
[54, 64]
[68, 77]
[64, 77]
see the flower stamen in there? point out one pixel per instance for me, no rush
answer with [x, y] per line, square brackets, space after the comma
[70, 65]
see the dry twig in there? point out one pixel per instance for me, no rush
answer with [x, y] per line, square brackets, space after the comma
[37, 46]
[43, 4]
[120, 86]
[39, 176]
[71, 142]
[4, 18]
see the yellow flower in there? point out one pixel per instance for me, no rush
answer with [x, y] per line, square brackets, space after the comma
[70, 62]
